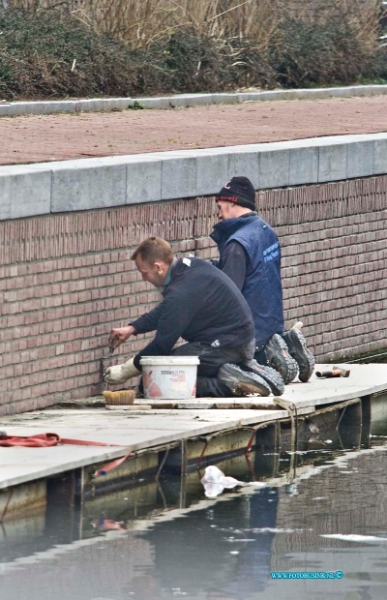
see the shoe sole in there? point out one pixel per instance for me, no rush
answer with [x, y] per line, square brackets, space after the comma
[248, 389]
[246, 383]
[286, 366]
[299, 351]
[271, 376]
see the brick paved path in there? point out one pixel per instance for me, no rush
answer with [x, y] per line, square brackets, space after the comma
[62, 137]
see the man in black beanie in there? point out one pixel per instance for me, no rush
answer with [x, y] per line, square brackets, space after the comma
[250, 255]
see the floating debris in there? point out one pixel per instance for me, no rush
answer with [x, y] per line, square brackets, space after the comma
[215, 481]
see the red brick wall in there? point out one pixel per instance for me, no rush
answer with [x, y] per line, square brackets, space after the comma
[334, 266]
[65, 280]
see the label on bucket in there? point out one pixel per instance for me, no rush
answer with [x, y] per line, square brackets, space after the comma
[169, 381]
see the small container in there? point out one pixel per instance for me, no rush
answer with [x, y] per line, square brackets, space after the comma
[169, 376]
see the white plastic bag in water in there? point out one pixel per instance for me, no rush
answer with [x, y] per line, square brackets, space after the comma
[215, 481]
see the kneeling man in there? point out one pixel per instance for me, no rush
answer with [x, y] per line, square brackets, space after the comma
[204, 307]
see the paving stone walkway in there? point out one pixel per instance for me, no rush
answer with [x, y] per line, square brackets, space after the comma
[30, 139]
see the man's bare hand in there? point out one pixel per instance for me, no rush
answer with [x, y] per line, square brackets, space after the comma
[119, 335]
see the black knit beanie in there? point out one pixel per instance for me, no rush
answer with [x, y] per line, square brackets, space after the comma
[238, 190]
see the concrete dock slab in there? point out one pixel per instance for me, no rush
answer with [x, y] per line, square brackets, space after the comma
[141, 430]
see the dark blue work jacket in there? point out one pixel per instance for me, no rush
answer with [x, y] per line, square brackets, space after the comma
[262, 288]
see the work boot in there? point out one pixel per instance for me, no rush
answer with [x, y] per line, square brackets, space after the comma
[297, 347]
[271, 376]
[278, 357]
[242, 383]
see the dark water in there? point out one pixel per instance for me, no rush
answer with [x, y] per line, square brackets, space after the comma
[166, 540]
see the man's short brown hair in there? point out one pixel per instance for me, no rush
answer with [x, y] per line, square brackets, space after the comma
[152, 250]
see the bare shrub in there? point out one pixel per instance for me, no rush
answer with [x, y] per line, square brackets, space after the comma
[142, 22]
[37, 59]
[129, 47]
[332, 44]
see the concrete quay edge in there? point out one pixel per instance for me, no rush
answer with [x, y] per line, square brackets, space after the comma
[107, 182]
[20, 467]
[159, 427]
[48, 107]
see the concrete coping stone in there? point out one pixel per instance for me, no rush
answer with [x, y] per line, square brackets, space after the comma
[107, 182]
[47, 107]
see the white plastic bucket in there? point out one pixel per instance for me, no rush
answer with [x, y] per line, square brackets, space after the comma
[169, 376]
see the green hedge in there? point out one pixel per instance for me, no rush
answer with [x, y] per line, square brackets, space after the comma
[37, 55]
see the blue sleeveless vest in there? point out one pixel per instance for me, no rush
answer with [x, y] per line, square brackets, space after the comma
[262, 288]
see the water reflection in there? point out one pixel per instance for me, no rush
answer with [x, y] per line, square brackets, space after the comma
[163, 539]
[224, 549]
